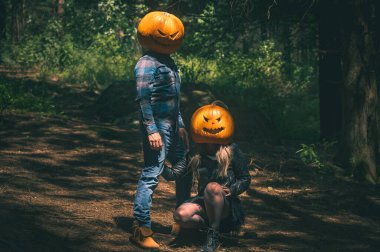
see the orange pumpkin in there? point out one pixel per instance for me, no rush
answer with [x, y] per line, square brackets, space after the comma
[212, 124]
[160, 32]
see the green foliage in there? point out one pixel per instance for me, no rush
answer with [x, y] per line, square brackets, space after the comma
[209, 37]
[196, 69]
[25, 97]
[259, 82]
[101, 63]
[309, 156]
[95, 44]
[90, 48]
[50, 50]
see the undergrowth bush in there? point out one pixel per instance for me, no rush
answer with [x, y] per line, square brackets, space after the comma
[98, 46]
[25, 96]
[257, 80]
[104, 62]
[92, 47]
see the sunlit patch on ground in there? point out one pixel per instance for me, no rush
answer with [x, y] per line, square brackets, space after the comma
[69, 184]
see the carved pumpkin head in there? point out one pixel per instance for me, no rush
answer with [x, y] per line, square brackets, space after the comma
[160, 32]
[212, 124]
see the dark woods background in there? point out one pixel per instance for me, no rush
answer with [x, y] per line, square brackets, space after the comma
[305, 69]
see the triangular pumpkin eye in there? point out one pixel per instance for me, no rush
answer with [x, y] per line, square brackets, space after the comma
[205, 118]
[218, 119]
[161, 32]
[174, 34]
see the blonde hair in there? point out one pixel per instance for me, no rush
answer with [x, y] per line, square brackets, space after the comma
[223, 157]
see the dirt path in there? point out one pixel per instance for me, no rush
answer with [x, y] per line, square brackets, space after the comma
[67, 184]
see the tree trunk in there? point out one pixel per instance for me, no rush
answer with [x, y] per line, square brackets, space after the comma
[287, 49]
[377, 48]
[264, 29]
[18, 19]
[60, 8]
[330, 75]
[3, 19]
[54, 7]
[360, 115]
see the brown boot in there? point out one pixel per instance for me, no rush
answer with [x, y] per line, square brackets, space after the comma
[142, 236]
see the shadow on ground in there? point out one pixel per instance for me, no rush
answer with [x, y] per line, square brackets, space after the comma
[67, 184]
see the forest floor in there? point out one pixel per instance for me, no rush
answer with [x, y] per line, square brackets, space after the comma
[67, 183]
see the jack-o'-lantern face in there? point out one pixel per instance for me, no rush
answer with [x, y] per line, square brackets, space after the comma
[160, 32]
[212, 124]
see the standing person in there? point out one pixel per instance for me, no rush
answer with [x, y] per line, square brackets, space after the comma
[220, 172]
[163, 131]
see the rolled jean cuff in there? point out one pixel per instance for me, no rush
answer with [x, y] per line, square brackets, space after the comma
[144, 224]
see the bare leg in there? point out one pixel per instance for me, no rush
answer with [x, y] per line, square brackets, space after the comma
[217, 207]
[188, 215]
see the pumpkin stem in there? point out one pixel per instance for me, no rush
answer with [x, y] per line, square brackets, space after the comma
[220, 103]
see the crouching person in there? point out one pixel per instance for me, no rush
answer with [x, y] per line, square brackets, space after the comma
[220, 174]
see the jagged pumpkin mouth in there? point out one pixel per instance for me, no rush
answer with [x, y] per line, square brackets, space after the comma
[169, 44]
[213, 131]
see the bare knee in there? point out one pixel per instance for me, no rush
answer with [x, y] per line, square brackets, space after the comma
[181, 215]
[178, 215]
[213, 189]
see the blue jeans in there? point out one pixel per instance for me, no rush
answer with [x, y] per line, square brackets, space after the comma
[173, 149]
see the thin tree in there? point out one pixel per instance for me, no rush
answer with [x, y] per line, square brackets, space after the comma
[60, 8]
[18, 19]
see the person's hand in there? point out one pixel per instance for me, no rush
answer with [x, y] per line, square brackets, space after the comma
[155, 141]
[183, 134]
[227, 191]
